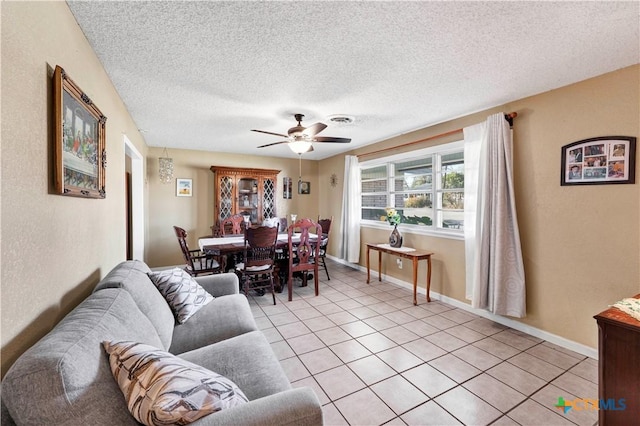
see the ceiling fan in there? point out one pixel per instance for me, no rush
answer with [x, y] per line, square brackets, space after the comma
[300, 139]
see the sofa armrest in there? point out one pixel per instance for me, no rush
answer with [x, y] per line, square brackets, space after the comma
[299, 407]
[220, 284]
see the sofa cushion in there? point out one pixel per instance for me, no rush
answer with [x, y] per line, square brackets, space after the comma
[65, 377]
[247, 360]
[132, 276]
[223, 318]
[184, 296]
[162, 389]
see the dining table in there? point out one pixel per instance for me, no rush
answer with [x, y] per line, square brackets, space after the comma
[235, 243]
[232, 245]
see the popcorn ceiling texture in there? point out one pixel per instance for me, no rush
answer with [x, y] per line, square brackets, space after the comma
[200, 75]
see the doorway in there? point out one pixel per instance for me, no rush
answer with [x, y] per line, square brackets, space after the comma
[134, 202]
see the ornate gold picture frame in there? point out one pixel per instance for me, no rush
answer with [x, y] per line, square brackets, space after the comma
[79, 153]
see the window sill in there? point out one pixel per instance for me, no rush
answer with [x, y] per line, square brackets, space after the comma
[417, 230]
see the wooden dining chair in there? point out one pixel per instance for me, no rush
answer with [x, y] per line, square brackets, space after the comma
[256, 272]
[197, 262]
[304, 254]
[326, 230]
[233, 225]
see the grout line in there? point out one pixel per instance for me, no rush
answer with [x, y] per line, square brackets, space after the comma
[390, 293]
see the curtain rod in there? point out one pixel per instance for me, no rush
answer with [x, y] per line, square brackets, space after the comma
[509, 117]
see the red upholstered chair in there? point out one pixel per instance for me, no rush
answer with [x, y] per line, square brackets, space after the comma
[197, 262]
[256, 272]
[304, 250]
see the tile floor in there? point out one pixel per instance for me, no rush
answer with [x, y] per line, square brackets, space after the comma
[373, 358]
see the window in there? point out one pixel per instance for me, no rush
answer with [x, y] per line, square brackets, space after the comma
[426, 187]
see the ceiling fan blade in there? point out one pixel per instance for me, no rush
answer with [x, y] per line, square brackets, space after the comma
[270, 133]
[271, 144]
[314, 129]
[330, 139]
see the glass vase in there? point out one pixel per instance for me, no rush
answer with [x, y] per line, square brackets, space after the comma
[395, 239]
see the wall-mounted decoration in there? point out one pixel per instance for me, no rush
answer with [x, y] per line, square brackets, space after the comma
[333, 180]
[165, 167]
[79, 152]
[304, 187]
[184, 187]
[286, 188]
[598, 161]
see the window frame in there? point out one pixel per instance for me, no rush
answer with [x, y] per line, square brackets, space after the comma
[436, 191]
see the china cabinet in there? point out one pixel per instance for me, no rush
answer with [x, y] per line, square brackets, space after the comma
[249, 192]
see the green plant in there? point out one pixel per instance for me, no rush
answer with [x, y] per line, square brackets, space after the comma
[393, 217]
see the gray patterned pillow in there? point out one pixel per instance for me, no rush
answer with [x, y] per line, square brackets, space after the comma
[183, 294]
[161, 388]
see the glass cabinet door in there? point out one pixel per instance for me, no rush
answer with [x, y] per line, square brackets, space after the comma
[226, 197]
[268, 198]
[248, 198]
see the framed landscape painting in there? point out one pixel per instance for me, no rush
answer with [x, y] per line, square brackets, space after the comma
[184, 187]
[79, 152]
[598, 161]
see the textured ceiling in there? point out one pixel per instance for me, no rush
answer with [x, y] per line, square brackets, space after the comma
[200, 75]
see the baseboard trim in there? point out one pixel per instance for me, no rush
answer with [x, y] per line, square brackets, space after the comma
[516, 325]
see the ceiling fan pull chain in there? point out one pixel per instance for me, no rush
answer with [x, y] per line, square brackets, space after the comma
[300, 169]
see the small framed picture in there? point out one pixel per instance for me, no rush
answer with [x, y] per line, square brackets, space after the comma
[286, 188]
[304, 187]
[184, 187]
[599, 161]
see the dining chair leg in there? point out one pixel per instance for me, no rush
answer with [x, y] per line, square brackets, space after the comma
[273, 290]
[324, 263]
[290, 285]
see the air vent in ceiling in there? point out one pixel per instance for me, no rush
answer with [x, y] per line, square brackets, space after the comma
[341, 119]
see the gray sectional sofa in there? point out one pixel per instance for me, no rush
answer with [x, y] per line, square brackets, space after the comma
[65, 378]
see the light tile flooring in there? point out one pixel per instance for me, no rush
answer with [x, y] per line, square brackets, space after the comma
[373, 358]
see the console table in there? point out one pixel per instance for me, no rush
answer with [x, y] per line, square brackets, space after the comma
[415, 255]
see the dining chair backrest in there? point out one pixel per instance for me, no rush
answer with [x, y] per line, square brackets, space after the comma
[181, 234]
[260, 245]
[233, 225]
[197, 263]
[304, 250]
[257, 270]
[326, 229]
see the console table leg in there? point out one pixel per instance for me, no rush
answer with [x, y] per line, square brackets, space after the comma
[415, 281]
[428, 278]
[368, 270]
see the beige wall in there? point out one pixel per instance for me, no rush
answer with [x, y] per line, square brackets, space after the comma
[54, 248]
[580, 244]
[195, 214]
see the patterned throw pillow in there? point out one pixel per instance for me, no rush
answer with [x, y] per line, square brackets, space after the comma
[161, 388]
[183, 294]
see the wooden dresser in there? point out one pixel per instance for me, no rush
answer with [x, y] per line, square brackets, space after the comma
[619, 366]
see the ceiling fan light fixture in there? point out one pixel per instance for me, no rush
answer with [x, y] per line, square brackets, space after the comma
[300, 146]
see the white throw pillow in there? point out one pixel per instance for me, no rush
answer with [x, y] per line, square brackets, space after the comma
[183, 294]
[161, 388]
